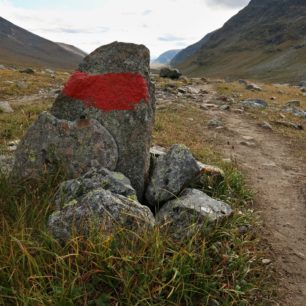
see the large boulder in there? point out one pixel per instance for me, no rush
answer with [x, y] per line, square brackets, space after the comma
[170, 73]
[84, 207]
[76, 146]
[95, 178]
[171, 172]
[112, 85]
[191, 211]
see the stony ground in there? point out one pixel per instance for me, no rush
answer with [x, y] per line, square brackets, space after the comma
[268, 145]
[273, 160]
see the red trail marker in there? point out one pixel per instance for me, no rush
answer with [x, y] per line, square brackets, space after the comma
[111, 91]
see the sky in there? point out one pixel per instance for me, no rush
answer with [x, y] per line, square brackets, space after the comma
[161, 25]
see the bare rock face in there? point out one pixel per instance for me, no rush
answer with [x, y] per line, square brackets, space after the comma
[194, 209]
[76, 146]
[113, 86]
[171, 172]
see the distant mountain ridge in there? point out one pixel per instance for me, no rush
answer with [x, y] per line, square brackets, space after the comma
[265, 40]
[21, 47]
[166, 57]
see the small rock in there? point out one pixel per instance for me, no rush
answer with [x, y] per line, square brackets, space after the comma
[293, 103]
[12, 145]
[244, 82]
[266, 125]
[273, 98]
[170, 173]
[193, 90]
[255, 103]
[290, 125]
[253, 87]
[173, 74]
[225, 107]
[266, 261]
[292, 108]
[238, 110]
[5, 107]
[2, 67]
[248, 144]
[50, 71]
[182, 90]
[156, 151]
[191, 211]
[248, 138]
[210, 170]
[27, 71]
[214, 123]
[302, 84]
[206, 106]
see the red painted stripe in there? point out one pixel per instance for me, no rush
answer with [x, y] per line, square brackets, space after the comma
[111, 91]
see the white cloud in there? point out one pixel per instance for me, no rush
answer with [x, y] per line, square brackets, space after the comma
[138, 21]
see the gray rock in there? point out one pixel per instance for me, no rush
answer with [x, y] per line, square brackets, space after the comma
[292, 109]
[99, 211]
[253, 87]
[244, 82]
[190, 212]
[5, 107]
[254, 103]
[95, 178]
[293, 103]
[170, 173]
[75, 146]
[225, 107]
[173, 74]
[131, 129]
[2, 67]
[266, 125]
[6, 164]
[289, 124]
[215, 123]
[27, 71]
[12, 145]
[302, 84]
[156, 151]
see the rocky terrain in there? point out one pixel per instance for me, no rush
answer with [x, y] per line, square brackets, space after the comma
[256, 127]
[264, 41]
[19, 47]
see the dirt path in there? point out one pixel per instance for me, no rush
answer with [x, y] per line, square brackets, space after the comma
[278, 178]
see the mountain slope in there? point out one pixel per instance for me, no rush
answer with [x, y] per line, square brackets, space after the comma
[166, 57]
[21, 47]
[191, 50]
[73, 49]
[266, 40]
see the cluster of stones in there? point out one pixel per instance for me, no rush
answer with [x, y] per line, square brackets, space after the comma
[99, 131]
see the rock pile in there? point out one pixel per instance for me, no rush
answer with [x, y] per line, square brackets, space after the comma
[100, 133]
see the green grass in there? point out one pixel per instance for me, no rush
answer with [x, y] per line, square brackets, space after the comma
[219, 265]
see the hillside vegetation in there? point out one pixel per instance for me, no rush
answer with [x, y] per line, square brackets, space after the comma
[19, 47]
[265, 40]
